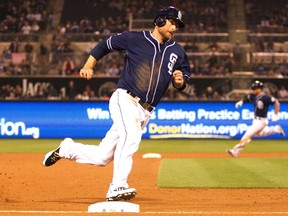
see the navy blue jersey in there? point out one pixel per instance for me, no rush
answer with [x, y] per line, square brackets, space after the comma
[148, 65]
[261, 103]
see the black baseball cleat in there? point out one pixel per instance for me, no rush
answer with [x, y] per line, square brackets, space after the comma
[121, 193]
[51, 157]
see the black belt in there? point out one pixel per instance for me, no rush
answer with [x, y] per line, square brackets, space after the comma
[259, 118]
[145, 105]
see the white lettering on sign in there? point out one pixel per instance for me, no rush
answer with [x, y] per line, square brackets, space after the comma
[10, 128]
[97, 113]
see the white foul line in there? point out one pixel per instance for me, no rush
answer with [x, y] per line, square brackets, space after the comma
[152, 212]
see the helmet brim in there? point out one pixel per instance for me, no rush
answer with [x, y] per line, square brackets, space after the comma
[180, 22]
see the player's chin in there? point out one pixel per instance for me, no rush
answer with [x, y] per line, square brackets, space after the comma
[168, 36]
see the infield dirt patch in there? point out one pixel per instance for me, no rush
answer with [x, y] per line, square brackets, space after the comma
[28, 186]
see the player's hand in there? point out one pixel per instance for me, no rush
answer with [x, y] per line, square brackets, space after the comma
[239, 104]
[274, 117]
[178, 80]
[86, 73]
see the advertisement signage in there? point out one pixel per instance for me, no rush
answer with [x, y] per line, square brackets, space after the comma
[90, 119]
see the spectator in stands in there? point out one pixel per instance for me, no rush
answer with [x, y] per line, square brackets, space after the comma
[269, 46]
[204, 69]
[93, 95]
[216, 96]
[18, 91]
[261, 69]
[277, 73]
[191, 47]
[6, 55]
[68, 66]
[224, 97]
[9, 68]
[25, 67]
[43, 53]
[213, 60]
[90, 45]
[113, 70]
[259, 46]
[209, 92]
[35, 27]
[71, 90]
[74, 27]
[40, 93]
[67, 46]
[26, 28]
[2, 73]
[11, 23]
[28, 49]
[52, 92]
[84, 96]
[18, 70]
[282, 92]
[237, 52]
[228, 64]
[14, 46]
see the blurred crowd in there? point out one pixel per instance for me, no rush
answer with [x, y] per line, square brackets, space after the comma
[24, 57]
[24, 16]
[73, 92]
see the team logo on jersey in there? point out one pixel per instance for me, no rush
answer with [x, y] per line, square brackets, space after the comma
[260, 104]
[172, 60]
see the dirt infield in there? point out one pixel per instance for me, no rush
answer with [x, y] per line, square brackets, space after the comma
[68, 188]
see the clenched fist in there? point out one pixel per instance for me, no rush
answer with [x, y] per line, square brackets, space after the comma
[86, 73]
[178, 80]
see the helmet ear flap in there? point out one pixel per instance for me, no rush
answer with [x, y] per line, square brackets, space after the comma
[160, 21]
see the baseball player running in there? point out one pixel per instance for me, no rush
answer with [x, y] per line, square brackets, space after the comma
[153, 61]
[259, 126]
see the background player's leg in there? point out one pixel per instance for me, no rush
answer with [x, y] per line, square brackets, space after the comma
[270, 130]
[256, 126]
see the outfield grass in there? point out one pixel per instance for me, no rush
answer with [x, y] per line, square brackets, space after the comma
[195, 172]
[224, 173]
[172, 145]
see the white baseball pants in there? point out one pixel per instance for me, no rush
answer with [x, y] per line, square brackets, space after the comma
[120, 142]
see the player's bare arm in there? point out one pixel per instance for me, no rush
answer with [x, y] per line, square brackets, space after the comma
[276, 107]
[87, 70]
[178, 80]
[276, 111]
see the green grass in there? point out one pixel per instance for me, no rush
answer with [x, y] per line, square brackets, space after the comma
[210, 145]
[224, 173]
[195, 172]
[172, 145]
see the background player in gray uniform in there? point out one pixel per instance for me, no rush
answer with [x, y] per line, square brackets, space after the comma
[153, 61]
[259, 126]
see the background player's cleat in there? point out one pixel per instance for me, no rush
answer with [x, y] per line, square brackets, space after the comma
[231, 152]
[280, 129]
[51, 157]
[121, 193]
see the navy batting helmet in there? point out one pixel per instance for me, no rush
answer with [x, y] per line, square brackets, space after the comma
[168, 13]
[257, 84]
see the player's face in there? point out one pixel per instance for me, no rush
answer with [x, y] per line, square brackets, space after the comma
[257, 91]
[168, 30]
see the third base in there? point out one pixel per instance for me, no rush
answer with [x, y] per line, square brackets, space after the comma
[114, 206]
